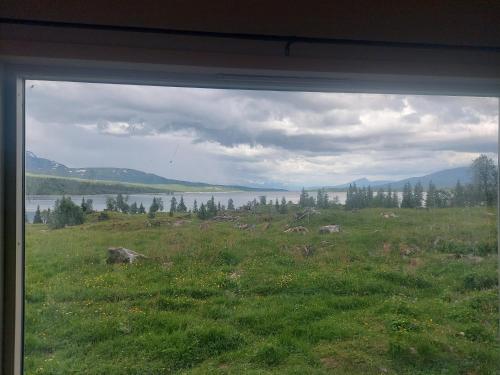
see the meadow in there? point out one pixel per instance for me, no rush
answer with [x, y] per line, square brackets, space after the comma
[411, 293]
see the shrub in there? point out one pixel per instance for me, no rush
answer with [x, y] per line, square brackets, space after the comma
[476, 281]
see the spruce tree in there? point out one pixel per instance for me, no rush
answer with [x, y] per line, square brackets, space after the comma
[195, 207]
[304, 198]
[230, 204]
[418, 195]
[459, 195]
[202, 212]
[142, 210]
[173, 206]
[408, 200]
[181, 207]
[283, 206]
[431, 199]
[37, 219]
[133, 208]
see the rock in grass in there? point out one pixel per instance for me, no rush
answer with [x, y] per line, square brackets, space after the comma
[330, 229]
[122, 255]
[298, 229]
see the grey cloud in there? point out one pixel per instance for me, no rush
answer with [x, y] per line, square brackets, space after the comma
[289, 123]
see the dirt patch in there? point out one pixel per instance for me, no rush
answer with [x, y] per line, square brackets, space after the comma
[329, 362]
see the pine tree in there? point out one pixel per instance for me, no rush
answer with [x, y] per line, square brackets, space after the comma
[459, 195]
[395, 200]
[230, 204]
[408, 200]
[121, 203]
[277, 205]
[181, 207]
[418, 195]
[283, 206]
[211, 208]
[304, 198]
[430, 201]
[142, 210]
[173, 206]
[37, 219]
[369, 196]
[202, 212]
[195, 207]
[154, 207]
[219, 208]
[83, 205]
[110, 204]
[133, 208]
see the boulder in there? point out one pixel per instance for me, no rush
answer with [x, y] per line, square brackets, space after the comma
[122, 255]
[334, 228]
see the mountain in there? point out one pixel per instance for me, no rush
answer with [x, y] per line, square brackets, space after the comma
[363, 182]
[446, 178]
[46, 167]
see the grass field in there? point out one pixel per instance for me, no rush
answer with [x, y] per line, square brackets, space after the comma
[412, 294]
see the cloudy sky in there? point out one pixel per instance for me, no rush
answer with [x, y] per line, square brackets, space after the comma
[287, 139]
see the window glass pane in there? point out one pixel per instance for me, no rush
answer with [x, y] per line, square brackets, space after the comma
[187, 230]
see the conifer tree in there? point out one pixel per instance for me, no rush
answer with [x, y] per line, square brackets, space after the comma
[283, 206]
[133, 208]
[304, 198]
[173, 206]
[181, 207]
[408, 200]
[142, 210]
[277, 205]
[230, 204]
[37, 219]
[418, 195]
[202, 212]
[195, 207]
[431, 199]
[459, 195]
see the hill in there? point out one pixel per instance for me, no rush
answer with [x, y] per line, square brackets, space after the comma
[444, 179]
[44, 167]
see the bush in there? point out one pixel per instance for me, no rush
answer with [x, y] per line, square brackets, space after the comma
[476, 281]
[65, 213]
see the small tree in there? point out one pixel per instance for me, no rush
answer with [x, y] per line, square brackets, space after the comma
[142, 210]
[37, 219]
[153, 209]
[121, 203]
[133, 208]
[45, 215]
[230, 204]
[458, 195]
[173, 206]
[65, 213]
[418, 195]
[304, 198]
[111, 204]
[195, 207]
[431, 199]
[408, 200]
[202, 212]
[283, 206]
[263, 200]
[181, 207]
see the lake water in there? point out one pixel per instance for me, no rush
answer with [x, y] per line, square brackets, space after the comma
[239, 197]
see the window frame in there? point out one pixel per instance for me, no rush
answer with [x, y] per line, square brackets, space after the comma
[12, 134]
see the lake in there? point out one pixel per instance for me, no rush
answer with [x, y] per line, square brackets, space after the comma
[239, 197]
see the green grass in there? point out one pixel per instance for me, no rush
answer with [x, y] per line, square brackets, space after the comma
[214, 299]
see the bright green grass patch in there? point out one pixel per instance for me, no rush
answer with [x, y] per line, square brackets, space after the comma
[214, 299]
